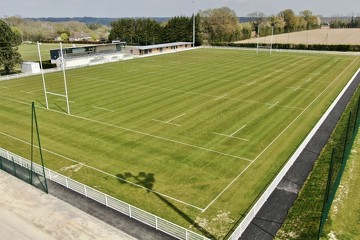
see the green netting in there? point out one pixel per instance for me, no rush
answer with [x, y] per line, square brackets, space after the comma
[339, 157]
[27, 174]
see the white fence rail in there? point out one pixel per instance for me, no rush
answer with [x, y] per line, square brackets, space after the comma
[120, 206]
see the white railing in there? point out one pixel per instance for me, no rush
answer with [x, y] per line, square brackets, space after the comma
[120, 206]
[22, 75]
[261, 201]
[274, 50]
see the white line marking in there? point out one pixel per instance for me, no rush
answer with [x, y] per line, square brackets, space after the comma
[237, 131]
[229, 136]
[38, 90]
[218, 98]
[274, 105]
[27, 92]
[176, 117]
[4, 87]
[105, 109]
[166, 122]
[101, 171]
[282, 132]
[252, 83]
[186, 92]
[136, 131]
[296, 88]
[169, 121]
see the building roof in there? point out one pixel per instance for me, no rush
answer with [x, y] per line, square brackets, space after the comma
[90, 45]
[164, 45]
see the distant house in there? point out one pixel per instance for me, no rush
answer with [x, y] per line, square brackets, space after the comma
[79, 36]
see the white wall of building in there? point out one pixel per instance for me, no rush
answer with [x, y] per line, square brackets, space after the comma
[90, 60]
[30, 67]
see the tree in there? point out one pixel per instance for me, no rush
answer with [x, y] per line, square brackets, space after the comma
[9, 55]
[310, 19]
[277, 22]
[257, 19]
[64, 37]
[290, 19]
[220, 25]
[142, 31]
[180, 29]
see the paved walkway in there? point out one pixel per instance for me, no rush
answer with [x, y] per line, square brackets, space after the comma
[26, 213]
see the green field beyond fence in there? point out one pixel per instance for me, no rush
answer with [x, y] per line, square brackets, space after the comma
[193, 137]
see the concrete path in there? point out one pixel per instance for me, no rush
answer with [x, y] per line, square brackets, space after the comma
[27, 213]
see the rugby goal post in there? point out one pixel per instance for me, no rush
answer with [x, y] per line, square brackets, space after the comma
[46, 93]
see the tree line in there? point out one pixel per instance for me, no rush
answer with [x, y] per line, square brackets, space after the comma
[31, 30]
[340, 22]
[212, 26]
[147, 31]
[285, 21]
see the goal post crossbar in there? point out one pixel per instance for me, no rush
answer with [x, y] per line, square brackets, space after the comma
[66, 95]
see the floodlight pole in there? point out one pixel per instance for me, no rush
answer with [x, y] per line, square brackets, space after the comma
[272, 34]
[66, 91]
[257, 40]
[194, 24]
[43, 78]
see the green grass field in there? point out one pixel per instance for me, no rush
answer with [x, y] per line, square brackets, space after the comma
[29, 52]
[193, 137]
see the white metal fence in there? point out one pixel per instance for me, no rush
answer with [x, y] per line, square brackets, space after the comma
[120, 206]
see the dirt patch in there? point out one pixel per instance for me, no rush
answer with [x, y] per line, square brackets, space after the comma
[75, 167]
[218, 225]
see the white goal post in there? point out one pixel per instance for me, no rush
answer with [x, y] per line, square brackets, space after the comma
[66, 95]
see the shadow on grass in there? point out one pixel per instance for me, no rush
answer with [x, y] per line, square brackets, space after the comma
[60, 108]
[147, 180]
[41, 103]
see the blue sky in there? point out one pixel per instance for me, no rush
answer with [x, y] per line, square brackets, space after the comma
[168, 8]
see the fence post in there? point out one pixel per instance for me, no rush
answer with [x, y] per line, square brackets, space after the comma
[356, 117]
[327, 193]
[66, 182]
[14, 166]
[346, 138]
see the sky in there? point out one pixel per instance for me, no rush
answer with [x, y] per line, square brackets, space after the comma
[168, 8]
